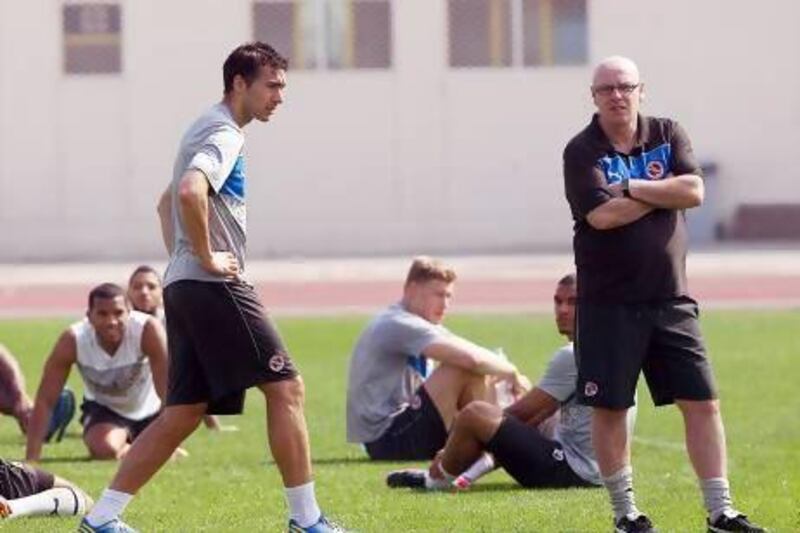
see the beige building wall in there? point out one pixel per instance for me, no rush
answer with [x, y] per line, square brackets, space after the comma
[419, 157]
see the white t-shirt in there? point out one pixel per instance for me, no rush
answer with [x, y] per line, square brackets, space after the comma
[122, 382]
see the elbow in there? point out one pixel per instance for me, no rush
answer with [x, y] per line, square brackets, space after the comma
[187, 194]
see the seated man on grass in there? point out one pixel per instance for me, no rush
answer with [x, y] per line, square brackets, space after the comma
[28, 491]
[122, 357]
[514, 438]
[396, 406]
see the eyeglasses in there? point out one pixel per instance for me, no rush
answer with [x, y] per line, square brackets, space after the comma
[623, 88]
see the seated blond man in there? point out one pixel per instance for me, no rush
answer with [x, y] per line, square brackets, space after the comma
[396, 406]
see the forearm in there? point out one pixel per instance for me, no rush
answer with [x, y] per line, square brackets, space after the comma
[675, 192]
[165, 219]
[618, 212]
[37, 428]
[194, 214]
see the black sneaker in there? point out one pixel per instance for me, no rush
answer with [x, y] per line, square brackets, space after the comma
[413, 479]
[733, 522]
[634, 524]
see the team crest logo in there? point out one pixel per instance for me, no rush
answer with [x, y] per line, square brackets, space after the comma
[277, 362]
[655, 170]
[558, 454]
[590, 389]
[416, 402]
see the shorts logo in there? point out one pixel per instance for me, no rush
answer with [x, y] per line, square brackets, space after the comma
[590, 389]
[558, 454]
[277, 362]
[655, 170]
[416, 402]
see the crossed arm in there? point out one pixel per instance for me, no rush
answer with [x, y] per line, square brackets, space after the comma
[674, 192]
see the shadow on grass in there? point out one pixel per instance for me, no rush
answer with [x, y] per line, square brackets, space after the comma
[334, 461]
[65, 460]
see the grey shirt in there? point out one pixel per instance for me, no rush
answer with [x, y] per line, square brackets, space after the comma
[386, 368]
[213, 145]
[574, 430]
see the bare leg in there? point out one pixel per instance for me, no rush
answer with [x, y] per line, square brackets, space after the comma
[452, 388]
[473, 427]
[106, 441]
[705, 437]
[156, 445]
[610, 439]
[286, 430]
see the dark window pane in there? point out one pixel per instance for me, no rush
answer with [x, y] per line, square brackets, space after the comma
[373, 34]
[570, 38]
[479, 33]
[93, 59]
[272, 24]
[92, 43]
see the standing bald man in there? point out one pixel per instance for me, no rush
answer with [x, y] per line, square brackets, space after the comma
[628, 180]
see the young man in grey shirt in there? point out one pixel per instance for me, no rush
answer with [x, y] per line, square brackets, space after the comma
[397, 405]
[514, 436]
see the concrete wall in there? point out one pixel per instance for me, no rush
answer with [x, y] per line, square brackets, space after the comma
[416, 158]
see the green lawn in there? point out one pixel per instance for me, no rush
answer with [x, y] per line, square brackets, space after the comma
[229, 484]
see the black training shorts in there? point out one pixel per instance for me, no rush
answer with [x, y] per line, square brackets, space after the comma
[221, 342]
[614, 342]
[533, 460]
[93, 413]
[18, 480]
[416, 434]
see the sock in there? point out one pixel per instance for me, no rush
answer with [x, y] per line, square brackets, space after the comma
[716, 496]
[108, 507]
[442, 479]
[479, 468]
[58, 501]
[620, 492]
[303, 507]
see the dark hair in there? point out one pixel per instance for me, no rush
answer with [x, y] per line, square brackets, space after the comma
[106, 291]
[569, 280]
[246, 61]
[144, 269]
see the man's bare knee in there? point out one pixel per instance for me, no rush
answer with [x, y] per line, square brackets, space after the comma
[290, 392]
[703, 409]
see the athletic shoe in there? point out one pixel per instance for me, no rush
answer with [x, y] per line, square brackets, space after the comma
[114, 525]
[323, 525]
[412, 479]
[634, 524]
[735, 521]
[62, 416]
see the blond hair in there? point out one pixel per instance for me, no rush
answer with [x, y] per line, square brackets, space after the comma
[424, 268]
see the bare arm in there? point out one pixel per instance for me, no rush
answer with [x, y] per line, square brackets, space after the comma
[165, 218]
[14, 399]
[617, 212]
[154, 346]
[675, 192]
[462, 353]
[534, 407]
[56, 371]
[193, 200]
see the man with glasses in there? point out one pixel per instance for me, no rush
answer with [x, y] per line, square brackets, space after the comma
[628, 180]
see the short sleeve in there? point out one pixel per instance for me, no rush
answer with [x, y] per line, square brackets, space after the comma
[409, 335]
[683, 158]
[561, 375]
[584, 183]
[218, 154]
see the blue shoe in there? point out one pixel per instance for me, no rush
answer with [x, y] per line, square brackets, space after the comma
[323, 525]
[114, 525]
[62, 415]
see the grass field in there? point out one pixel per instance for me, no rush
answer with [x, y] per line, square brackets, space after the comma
[229, 484]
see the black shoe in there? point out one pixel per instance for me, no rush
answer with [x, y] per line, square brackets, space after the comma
[733, 522]
[639, 524]
[413, 479]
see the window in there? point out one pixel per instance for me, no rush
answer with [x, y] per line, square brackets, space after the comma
[327, 34]
[505, 33]
[92, 38]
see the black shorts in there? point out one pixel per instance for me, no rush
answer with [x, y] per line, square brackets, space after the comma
[533, 460]
[614, 342]
[416, 434]
[221, 342]
[93, 413]
[18, 480]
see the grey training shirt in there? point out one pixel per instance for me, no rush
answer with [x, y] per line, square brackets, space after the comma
[213, 145]
[386, 368]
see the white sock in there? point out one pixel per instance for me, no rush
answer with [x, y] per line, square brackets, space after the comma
[443, 481]
[109, 506]
[303, 507]
[58, 501]
[481, 467]
[717, 497]
[620, 492]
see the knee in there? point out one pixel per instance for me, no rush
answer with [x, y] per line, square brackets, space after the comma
[290, 392]
[699, 409]
[105, 449]
[475, 413]
[181, 420]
